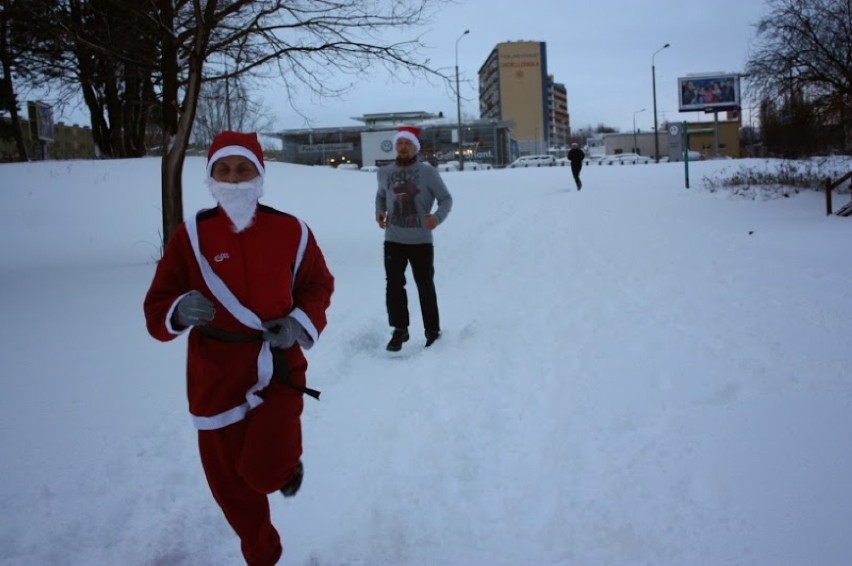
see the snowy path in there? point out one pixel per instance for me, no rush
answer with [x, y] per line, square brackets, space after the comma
[627, 376]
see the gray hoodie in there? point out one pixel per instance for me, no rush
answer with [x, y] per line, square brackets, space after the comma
[407, 193]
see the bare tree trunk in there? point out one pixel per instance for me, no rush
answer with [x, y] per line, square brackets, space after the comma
[172, 192]
[846, 120]
[178, 117]
[172, 165]
[9, 88]
[13, 113]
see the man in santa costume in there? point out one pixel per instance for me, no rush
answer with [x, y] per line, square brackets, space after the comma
[251, 285]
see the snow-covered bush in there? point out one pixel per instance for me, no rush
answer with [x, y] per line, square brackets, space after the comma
[776, 178]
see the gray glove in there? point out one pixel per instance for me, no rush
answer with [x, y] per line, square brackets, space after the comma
[194, 309]
[282, 332]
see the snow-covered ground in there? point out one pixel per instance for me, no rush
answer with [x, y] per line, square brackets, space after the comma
[631, 374]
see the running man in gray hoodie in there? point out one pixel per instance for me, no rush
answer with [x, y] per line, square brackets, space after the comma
[408, 189]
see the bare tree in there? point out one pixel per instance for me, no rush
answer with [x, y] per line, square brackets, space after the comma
[227, 105]
[804, 49]
[141, 61]
[305, 42]
[103, 51]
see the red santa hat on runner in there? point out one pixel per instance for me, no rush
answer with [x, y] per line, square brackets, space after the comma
[409, 133]
[236, 143]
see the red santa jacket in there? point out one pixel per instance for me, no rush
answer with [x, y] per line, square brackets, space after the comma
[272, 269]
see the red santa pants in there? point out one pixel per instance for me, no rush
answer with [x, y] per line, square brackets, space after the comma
[248, 460]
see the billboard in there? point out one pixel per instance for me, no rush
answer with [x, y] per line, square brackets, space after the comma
[709, 92]
[41, 120]
[377, 147]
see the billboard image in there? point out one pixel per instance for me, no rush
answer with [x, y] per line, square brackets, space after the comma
[708, 92]
[41, 120]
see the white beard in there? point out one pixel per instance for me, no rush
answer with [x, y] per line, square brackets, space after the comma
[239, 200]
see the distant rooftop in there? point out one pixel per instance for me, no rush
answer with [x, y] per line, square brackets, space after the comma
[396, 118]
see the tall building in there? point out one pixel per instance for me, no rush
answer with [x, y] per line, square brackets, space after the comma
[558, 120]
[514, 87]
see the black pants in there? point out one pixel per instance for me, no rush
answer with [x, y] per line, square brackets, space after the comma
[422, 260]
[575, 171]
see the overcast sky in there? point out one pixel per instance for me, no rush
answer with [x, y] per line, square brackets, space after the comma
[600, 50]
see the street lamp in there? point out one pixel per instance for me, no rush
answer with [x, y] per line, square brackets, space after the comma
[227, 96]
[635, 149]
[654, 87]
[458, 101]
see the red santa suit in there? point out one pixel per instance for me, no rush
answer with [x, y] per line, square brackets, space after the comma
[248, 419]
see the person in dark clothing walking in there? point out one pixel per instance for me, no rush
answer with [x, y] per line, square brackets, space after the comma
[408, 189]
[576, 157]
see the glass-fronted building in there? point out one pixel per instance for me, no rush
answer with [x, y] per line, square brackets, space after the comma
[484, 141]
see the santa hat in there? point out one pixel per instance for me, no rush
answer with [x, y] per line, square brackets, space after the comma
[235, 143]
[409, 133]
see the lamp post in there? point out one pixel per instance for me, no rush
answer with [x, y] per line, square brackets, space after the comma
[227, 96]
[458, 102]
[654, 87]
[635, 149]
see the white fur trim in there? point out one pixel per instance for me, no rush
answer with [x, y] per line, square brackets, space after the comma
[171, 312]
[409, 136]
[250, 319]
[245, 316]
[302, 318]
[234, 150]
[222, 419]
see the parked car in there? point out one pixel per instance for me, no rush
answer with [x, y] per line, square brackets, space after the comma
[625, 159]
[588, 160]
[692, 155]
[476, 166]
[348, 166]
[534, 161]
[448, 166]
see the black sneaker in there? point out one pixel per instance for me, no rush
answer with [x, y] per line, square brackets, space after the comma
[399, 336]
[292, 486]
[431, 336]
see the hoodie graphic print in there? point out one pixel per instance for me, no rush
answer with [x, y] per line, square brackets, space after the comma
[403, 185]
[406, 194]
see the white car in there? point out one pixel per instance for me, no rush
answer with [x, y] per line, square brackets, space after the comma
[692, 155]
[588, 160]
[625, 159]
[348, 167]
[476, 166]
[533, 161]
[448, 166]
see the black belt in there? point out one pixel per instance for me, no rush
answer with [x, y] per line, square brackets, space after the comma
[280, 369]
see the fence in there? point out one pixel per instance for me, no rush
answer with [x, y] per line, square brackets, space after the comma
[830, 185]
